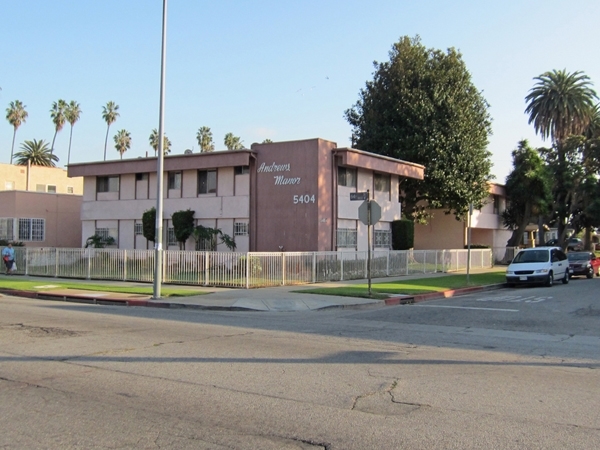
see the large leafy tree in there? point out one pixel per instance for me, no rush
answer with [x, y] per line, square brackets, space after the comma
[72, 114]
[110, 112]
[183, 226]
[153, 139]
[36, 153]
[205, 139]
[528, 190]
[122, 141]
[422, 106]
[561, 105]
[233, 142]
[16, 116]
[57, 114]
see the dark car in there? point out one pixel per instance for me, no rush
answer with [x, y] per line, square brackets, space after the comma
[584, 263]
[573, 244]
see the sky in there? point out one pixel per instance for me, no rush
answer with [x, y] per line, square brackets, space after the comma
[267, 68]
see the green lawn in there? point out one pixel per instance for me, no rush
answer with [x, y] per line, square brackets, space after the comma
[413, 287]
[14, 283]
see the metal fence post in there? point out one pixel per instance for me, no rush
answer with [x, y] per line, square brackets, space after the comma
[26, 262]
[341, 255]
[247, 270]
[314, 267]
[387, 267]
[56, 263]
[282, 269]
[125, 265]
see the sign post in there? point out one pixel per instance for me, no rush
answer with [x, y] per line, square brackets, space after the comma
[369, 213]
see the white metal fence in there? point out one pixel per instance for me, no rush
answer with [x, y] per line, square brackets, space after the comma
[244, 270]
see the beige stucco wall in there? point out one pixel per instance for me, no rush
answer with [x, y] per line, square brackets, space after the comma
[59, 211]
[55, 176]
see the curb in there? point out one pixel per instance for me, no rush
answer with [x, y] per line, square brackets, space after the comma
[405, 300]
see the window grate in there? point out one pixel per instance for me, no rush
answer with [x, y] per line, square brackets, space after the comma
[240, 229]
[382, 238]
[346, 237]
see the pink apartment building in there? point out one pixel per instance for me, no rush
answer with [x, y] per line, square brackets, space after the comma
[284, 196]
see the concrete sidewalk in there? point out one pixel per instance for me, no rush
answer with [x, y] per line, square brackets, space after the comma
[275, 299]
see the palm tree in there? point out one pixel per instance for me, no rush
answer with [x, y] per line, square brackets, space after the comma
[16, 115]
[153, 139]
[109, 114]
[205, 139]
[560, 104]
[57, 113]
[72, 114]
[122, 141]
[267, 141]
[36, 153]
[232, 142]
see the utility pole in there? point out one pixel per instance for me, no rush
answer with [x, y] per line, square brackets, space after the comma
[158, 250]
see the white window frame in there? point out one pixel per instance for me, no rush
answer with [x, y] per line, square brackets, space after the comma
[31, 229]
[171, 239]
[240, 229]
[7, 228]
[347, 237]
[382, 239]
[138, 229]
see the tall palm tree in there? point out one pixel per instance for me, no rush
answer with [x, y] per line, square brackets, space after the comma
[72, 114]
[109, 114]
[122, 141]
[232, 142]
[205, 139]
[560, 104]
[36, 153]
[57, 113]
[153, 139]
[16, 115]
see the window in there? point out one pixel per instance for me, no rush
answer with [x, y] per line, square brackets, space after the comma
[240, 229]
[7, 229]
[138, 229]
[141, 177]
[107, 184]
[9, 185]
[174, 180]
[171, 239]
[107, 233]
[40, 187]
[346, 177]
[241, 170]
[207, 181]
[51, 189]
[382, 238]
[381, 182]
[206, 245]
[346, 237]
[32, 229]
[70, 189]
[496, 204]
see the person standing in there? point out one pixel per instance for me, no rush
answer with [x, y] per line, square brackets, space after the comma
[8, 256]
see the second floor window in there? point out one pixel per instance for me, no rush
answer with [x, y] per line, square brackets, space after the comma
[174, 180]
[346, 177]
[207, 181]
[107, 184]
[381, 182]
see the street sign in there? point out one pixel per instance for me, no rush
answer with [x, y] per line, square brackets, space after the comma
[363, 212]
[359, 196]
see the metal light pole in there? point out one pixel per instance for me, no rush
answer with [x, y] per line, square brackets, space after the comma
[159, 166]
[469, 241]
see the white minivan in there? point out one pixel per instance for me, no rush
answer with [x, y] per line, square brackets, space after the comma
[541, 265]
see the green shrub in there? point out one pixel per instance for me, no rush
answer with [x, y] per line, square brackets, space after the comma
[149, 224]
[183, 225]
[403, 234]
[4, 243]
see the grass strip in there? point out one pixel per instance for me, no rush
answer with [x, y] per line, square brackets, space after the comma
[413, 286]
[41, 285]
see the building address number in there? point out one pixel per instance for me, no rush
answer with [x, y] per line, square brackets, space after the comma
[304, 199]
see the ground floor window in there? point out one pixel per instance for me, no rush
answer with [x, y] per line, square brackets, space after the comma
[109, 235]
[171, 239]
[346, 237]
[32, 229]
[207, 245]
[7, 228]
[240, 229]
[382, 239]
[138, 229]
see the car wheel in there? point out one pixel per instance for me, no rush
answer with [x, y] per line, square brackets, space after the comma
[565, 279]
[590, 273]
[550, 280]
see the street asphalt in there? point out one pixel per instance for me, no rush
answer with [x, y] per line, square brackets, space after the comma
[276, 299]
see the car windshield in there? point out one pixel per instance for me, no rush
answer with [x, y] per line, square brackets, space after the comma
[578, 256]
[532, 256]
